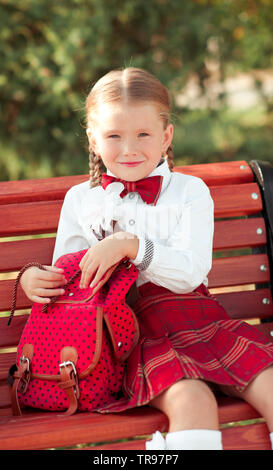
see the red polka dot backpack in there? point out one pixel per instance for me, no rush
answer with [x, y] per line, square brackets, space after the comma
[72, 352]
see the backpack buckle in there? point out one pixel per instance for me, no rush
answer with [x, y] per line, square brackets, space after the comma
[69, 383]
[68, 363]
[25, 359]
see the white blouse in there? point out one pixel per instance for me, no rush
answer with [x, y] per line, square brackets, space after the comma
[175, 236]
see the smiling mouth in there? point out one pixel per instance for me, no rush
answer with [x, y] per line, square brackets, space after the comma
[130, 163]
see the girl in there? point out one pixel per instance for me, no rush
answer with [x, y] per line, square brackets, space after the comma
[163, 222]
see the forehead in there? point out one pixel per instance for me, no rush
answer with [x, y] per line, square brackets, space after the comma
[123, 115]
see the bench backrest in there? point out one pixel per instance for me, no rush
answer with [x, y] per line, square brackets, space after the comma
[240, 276]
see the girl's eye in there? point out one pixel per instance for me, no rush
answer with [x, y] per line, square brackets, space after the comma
[113, 136]
[143, 134]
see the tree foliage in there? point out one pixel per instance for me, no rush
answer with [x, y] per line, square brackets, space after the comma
[53, 51]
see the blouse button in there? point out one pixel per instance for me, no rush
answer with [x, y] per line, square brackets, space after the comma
[131, 195]
[132, 221]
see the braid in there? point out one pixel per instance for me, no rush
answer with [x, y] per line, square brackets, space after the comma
[170, 157]
[95, 168]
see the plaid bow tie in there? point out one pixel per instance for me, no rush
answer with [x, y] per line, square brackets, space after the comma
[148, 188]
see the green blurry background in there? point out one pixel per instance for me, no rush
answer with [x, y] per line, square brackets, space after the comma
[215, 57]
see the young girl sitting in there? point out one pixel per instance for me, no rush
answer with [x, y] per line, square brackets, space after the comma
[163, 222]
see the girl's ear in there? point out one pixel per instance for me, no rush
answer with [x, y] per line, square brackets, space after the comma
[167, 138]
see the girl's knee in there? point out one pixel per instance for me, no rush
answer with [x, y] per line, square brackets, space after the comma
[195, 392]
[189, 393]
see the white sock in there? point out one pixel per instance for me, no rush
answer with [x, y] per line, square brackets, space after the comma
[194, 439]
[271, 439]
[157, 442]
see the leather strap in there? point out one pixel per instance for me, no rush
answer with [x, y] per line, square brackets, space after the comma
[21, 378]
[69, 379]
[264, 176]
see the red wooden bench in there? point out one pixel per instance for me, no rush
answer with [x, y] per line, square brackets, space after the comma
[240, 278]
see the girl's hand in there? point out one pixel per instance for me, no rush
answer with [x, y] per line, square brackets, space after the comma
[40, 285]
[101, 257]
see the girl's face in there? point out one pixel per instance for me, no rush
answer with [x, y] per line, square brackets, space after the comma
[130, 138]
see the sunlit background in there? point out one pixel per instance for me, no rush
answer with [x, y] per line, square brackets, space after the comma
[215, 57]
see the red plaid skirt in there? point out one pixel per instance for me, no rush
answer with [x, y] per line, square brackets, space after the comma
[188, 336]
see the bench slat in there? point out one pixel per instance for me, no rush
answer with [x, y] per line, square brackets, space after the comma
[228, 234]
[37, 430]
[236, 200]
[14, 255]
[239, 305]
[249, 437]
[44, 189]
[239, 270]
[29, 218]
[55, 188]
[10, 335]
[6, 293]
[43, 216]
[239, 233]
[247, 304]
[221, 173]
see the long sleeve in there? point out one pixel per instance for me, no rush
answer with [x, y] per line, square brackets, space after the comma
[182, 262]
[70, 235]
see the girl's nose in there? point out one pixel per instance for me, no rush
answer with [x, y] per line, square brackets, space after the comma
[129, 148]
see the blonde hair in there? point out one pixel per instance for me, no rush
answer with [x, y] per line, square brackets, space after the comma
[131, 84]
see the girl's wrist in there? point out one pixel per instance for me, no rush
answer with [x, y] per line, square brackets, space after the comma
[130, 243]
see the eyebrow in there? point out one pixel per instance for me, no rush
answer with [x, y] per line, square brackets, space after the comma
[115, 131]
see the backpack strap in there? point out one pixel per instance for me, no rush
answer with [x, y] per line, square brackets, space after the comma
[21, 378]
[69, 379]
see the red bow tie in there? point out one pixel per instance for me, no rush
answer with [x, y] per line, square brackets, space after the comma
[148, 188]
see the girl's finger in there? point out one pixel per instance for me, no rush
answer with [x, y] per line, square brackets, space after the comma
[87, 274]
[40, 292]
[98, 277]
[53, 269]
[39, 300]
[84, 260]
[51, 284]
[51, 276]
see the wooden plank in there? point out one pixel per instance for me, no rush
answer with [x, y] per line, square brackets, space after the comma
[6, 360]
[247, 304]
[10, 335]
[43, 189]
[236, 200]
[6, 293]
[38, 430]
[45, 430]
[14, 255]
[232, 271]
[12, 192]
[266, 329]
[239, 305]
[249, 437]
[5, 398]
[30, 218]
[43, 216]
[221, 173]
[228, 234]
[239, 270]
[239, 233]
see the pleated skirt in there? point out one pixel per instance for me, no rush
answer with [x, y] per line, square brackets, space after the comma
[188, 336]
